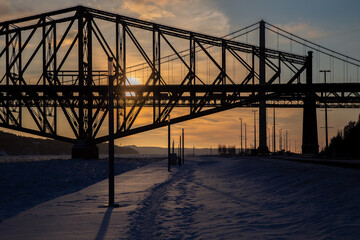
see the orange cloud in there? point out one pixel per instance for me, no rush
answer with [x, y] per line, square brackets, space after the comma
[10, 10]
[195, 15]
[149, 9]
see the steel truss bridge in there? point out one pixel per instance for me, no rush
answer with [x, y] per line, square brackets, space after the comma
[49, 80]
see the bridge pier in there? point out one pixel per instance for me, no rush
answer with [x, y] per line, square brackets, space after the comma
[85, 150]
[263, 148]
[310, 137]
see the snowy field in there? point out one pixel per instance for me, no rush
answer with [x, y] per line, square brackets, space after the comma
[26, 181]
[207, 198]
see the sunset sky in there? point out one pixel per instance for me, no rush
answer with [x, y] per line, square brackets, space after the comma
[330, 23]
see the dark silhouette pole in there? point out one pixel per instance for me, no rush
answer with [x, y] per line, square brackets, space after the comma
[183, 146]
[245, 137]
[111, 136]
[180, 157]
[280, 139]
[254, 111]
[173, 146]
[326, 116]
[169, 144]
[274, 140]
[241, 142]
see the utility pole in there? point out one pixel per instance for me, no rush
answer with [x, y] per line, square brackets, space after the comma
[180, 157]
[241, 142]
[169, 143]
[245, 137]
[326, 118]
[284, 142]
[254, 111]
[289, 145]
[183, 147]
[111, 135]
[173, 146]
[280, 139]
[274, 140]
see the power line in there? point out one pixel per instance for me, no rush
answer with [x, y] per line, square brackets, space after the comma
[314, 44]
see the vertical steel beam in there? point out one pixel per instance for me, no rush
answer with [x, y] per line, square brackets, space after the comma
[122, 61]
[262, 104]
[279, 62]
[310, 137]
[44, 72]
[192, 59]
[89, 78]
[253, 66]
[223, 69]
[154, 79]
[55, 74]
[84, 147]
[20, 74]
[326, 115]
[117, 71]
[223, 62]
[156, 71]
[192, 70]
[81, 72]
[7, 63]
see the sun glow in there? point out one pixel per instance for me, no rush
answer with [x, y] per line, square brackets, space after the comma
[132, 81]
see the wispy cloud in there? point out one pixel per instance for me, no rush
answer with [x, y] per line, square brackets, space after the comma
[303, 29]
[11, 10]
[195, 15]
[150, 9]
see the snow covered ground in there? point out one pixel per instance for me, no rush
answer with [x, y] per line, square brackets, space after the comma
[26, 181]
[207, 198]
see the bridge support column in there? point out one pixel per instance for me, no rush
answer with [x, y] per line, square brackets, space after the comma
[263, 148]
[85, 150]
[310, 137]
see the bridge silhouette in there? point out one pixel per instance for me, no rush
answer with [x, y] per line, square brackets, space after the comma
[54, 76]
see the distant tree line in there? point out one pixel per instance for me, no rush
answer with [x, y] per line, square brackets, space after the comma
[346, 143]
[226, 150]
[11, 144]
